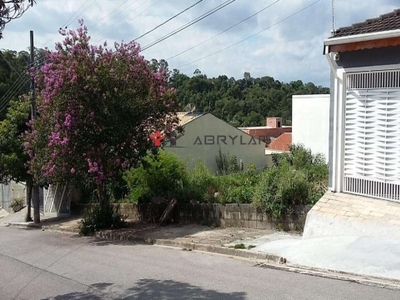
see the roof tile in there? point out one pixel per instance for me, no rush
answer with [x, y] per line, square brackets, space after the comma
[385, 22]
[281, 143]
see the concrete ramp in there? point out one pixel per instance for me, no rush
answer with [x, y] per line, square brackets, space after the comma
[3, 213]
[338, 214]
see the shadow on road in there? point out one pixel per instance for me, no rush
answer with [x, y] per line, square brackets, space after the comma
[150, 289]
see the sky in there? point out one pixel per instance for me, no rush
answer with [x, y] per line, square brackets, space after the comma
[284, 39]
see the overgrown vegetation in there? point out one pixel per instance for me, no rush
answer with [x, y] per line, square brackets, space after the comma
[296, 178]
[159, 175]
[99, 217]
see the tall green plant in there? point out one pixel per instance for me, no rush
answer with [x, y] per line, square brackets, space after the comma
[297, 178]
[227, 164]
[159, 175]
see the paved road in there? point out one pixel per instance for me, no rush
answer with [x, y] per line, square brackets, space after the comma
[45, 265]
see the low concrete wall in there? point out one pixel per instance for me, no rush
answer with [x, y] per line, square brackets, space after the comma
[229, 215]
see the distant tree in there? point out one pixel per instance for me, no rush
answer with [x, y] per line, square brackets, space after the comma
[14, 81]
[242, 102]
[197, 72]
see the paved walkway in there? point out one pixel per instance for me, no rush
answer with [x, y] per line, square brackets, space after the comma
[3, 213]
[337, 214]
[370, 256]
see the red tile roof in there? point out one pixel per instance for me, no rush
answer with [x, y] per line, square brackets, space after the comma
[281, 143]
[390, 21]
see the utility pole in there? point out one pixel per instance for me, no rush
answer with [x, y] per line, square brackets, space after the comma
[35, 188]
[33, 93]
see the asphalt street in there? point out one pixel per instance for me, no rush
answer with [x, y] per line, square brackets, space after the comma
[37, 264]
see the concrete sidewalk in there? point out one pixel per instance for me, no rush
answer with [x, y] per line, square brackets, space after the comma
[18, 219]
[367, 256]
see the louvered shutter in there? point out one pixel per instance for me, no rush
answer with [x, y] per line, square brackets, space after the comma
[371, 163]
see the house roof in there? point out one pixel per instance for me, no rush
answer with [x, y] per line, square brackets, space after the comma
[185, 117]
[386, 22]
[281, 143]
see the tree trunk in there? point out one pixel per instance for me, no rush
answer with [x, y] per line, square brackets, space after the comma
[101, 194]
[36, 205]
[28, 201]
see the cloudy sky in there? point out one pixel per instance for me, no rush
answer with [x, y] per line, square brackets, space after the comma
[284, 40]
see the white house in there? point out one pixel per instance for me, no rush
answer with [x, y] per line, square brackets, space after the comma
[364, 155]
[365, 119]
[310, 122]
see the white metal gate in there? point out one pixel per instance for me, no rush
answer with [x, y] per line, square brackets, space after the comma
[372, 134]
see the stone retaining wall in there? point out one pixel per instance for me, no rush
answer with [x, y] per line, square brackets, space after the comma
[228, 215]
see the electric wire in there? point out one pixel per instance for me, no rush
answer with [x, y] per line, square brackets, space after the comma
[8, 63]
[126, 9]
[170, 19]
[66, 24]
[70, 18]
[132, 10]
[251, 36]
[198, 19]
[5, 104]
[229, 28]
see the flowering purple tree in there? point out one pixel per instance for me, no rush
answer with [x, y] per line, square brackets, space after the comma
[97, 108]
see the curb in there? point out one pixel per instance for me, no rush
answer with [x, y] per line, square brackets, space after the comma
[374, 281]
[29, 225]
[192, 246]
[59, 229]
[24, 225]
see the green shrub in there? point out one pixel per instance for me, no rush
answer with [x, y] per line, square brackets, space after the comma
[280, 189]
[98, 217]
[227, 164]
[202, 185]
[159, 175]
[238, 187]
[297, 178]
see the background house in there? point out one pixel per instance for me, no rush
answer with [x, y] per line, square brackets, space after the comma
[279, 145]
[203, 137]
[310, 122]
[268, 133]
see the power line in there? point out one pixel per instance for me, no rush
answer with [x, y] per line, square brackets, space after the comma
[70, 18]
[249, 37]
[13, 86]
[134, 16]
[229, 28]
[5, 103]
[198, 19]
[11, 94]
[9, 64]
[165, 22]
[103, 23]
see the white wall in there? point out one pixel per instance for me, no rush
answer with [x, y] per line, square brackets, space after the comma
[310, 122]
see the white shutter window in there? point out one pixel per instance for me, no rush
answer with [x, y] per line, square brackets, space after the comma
[371, 163]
